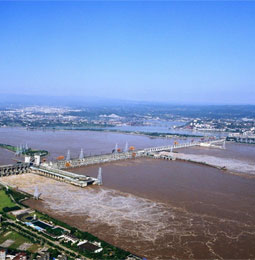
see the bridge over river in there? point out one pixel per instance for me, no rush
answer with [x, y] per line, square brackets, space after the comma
[115, 156]
[56, 170]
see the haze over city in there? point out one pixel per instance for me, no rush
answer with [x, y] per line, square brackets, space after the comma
[199, 52]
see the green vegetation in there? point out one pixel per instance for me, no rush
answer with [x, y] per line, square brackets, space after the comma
[152, 134]
[109, 251]
[5, 201]
[8, 147]
[34, 248]
[27, 234]
[55, 231]
[10, 216]
[156, 134]
[54, 252]
[31, 152]
[28, 151]
[56, 222]
[8, 209]
[18, 240]
[17, 196]
[34, 239]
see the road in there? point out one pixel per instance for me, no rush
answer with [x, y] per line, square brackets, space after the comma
[38, 235]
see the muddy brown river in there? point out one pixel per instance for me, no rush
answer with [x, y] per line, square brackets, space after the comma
[158, 209]
[58, 142]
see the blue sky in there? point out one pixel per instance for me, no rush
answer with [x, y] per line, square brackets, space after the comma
[177, 52]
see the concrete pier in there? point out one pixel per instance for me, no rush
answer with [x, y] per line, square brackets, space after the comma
[68, 177]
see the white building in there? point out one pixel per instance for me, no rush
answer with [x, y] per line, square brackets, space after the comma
[2, 254]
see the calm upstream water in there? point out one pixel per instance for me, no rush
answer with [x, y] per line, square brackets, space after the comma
[6, 157]
[161, 126]
[154, 208]
[58, 142]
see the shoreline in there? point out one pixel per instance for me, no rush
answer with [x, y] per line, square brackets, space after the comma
[139, 133]
[193, 201]
[25, 203]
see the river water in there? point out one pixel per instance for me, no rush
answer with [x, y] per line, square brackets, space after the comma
[58, 142]
[237, 158]
[154, 208]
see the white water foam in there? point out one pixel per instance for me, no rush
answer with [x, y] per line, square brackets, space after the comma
[231, 164]
[138, 216]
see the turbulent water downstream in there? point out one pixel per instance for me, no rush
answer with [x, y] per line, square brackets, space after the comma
[154, 208]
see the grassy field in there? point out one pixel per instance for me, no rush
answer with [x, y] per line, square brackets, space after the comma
[5, 201]
[18, 240]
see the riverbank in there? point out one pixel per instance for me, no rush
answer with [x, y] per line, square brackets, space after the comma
[189, 206]
[57, 143]
[142, 133]
[13, 200]
[23, 151]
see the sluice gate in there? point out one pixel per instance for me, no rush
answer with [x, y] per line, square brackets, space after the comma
[14, 169]
[56, 170]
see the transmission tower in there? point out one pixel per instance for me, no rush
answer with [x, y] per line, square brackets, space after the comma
[116, 148]
[68, 157]
[99, 176]
[81, 154]
[126, 147]
[36, 193]
[17, 151]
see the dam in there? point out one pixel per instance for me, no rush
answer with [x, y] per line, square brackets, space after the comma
[57, 170]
